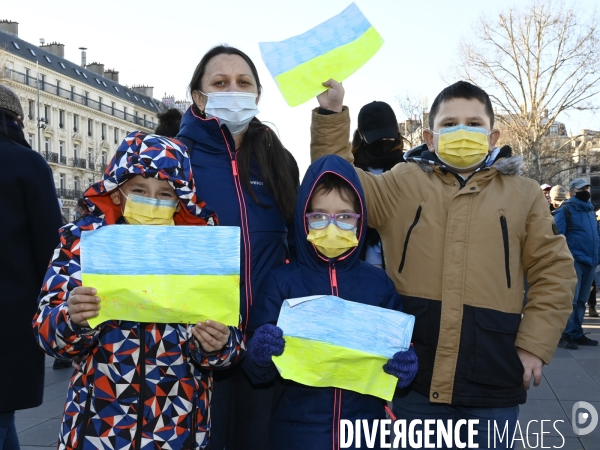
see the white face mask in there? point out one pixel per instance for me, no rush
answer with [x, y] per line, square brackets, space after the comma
[234, 109]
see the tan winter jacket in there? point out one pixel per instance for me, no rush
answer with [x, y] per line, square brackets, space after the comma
[457, 255]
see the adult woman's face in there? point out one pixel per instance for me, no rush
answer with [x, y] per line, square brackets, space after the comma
[225, 73]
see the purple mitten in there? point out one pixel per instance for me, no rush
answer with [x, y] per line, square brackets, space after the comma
[267, 342]
[404, 366]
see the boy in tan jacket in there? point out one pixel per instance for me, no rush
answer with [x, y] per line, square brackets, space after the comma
[459, 228]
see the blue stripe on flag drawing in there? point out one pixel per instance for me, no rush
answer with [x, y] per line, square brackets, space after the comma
[340, 30]
[161, 250]
[373, 330]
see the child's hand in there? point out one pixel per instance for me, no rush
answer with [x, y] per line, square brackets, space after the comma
[267, 342]
[404, 366]
[212, 335]
[333, 98]
[83, 305]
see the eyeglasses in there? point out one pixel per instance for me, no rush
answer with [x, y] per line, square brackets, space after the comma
[344, 221]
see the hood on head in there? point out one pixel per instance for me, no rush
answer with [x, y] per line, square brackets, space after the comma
[307, 253]
[151, 156]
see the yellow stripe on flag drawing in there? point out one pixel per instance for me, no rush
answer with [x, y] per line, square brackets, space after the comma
[320, 364]
[304, 81]
[166, 298]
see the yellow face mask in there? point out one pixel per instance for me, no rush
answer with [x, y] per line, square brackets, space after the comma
[462, 147]
[331, 241]
[149, 211]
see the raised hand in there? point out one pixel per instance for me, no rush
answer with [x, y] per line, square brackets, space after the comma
[333, 98]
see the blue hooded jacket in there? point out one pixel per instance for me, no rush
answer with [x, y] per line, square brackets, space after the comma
[581, 230]
[307, 417]
[263, 243]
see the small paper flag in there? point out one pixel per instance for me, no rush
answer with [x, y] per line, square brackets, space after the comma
[334, 49]
[331, 342]
[163, 274]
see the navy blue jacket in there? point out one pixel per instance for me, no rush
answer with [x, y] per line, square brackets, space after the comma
[307, 417]
[263, 243]
[581, 230]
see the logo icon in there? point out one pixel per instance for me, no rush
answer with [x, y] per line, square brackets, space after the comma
[580, 418]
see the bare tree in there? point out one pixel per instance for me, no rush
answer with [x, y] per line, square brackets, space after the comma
[414, 112]
[536, 63]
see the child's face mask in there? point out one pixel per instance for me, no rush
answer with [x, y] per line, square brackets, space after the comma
[148, 211]
[332, 241]
[462, 147]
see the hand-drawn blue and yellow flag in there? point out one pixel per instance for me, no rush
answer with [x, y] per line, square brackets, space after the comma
[331, 342]
[334, 49]
[163, 274]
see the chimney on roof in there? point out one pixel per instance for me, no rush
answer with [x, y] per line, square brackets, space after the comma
[148, 91]
[83, 57]
[55, 48]
[95, 67]
[112, 74]
[10, 27]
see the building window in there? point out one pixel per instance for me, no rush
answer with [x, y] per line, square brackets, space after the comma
[86, 97]
[61, 149]
[76, 184]
[103, 131]
[73, 93]
[90, 127]
[26, 76]
[47, 145]
[57, 87]
[61, 183]
[47, 112]
[75, 151]
[31, 114]
[103, 158]
[75, 123]
[31, 140]
[90, 152]
[61, 118]
[116, 135]
[43, 84]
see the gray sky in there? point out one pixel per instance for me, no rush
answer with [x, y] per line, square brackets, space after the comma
[159, 43]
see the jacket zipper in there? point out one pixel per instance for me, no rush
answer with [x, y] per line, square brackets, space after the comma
[140, 413]
[86, 417]
[245, 229]
[193, 425]
[337, 393]
[506, 253]
[414, 224]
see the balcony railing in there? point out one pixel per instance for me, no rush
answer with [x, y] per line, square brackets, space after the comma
[77, 98]
[63, 160]
[79, 162]
[51, 157]
[69, 194]
[91, 165]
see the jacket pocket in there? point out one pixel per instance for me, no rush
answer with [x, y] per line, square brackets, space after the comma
[495, 360]
[410, 229]
[504, 228]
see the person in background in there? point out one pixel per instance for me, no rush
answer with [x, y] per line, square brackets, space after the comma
[242, 168]
[558, 194]
[575, 219]
[29, 227]
[168, 123]
[546, 189]
[377, 146]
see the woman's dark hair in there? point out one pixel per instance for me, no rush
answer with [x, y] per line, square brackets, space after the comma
[168, 123]
[260, 148]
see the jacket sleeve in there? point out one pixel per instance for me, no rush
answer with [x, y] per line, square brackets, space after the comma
[549, 268]
[265, 310]
[329, 135]
[227, 356]
[560, 220]
[53, 328]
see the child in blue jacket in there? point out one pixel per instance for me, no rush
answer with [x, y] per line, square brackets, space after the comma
[330, 224]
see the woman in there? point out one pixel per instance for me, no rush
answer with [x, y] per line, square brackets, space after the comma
[377, 146]
[240, 164]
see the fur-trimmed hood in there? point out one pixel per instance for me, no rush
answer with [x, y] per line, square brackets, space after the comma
[501, 160]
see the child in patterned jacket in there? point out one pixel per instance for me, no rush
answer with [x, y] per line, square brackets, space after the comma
[141, 385]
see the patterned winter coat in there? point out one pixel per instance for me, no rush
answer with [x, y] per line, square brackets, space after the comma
[141, 385]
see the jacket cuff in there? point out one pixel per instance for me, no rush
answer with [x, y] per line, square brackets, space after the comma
[536, 350]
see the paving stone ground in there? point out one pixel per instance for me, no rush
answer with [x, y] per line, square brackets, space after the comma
[573, 375]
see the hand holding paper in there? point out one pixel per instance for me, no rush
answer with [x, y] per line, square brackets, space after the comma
[403, 366]
[83, 304]
[212, 335]
[333, 98]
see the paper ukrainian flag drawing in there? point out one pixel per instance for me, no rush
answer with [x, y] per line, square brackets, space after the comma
[331, 342]
[163, 274]
[334, 49]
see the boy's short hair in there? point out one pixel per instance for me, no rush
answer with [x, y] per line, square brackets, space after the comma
[331, 182]
[462, 89]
